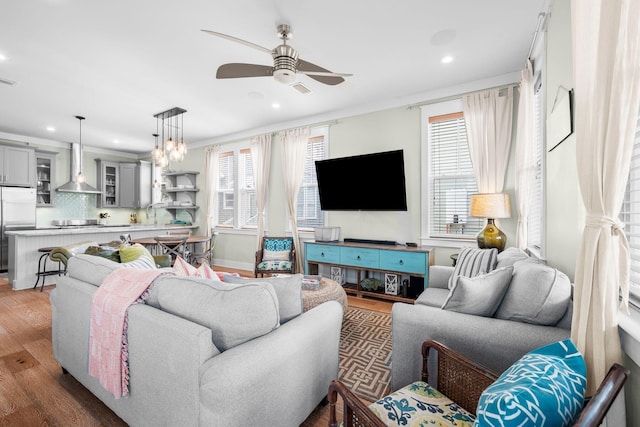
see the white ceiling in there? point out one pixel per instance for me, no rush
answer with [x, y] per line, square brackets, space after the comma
[120, 62]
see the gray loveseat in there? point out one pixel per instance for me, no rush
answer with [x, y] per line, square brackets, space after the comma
[203, 354]
[535, 309]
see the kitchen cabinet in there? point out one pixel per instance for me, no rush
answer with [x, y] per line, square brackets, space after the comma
[180, 188]
[17, 166]
[135, 190]
[45, 175]
[109, 183]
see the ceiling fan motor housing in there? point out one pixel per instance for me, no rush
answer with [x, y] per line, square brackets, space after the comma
[285, 59]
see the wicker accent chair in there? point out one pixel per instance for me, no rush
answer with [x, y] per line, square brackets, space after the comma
[276, 255]
[463, 381]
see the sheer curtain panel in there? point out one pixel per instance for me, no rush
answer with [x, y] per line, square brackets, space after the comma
[211, 186]
[525, 159]
[606, 73]
[294, 149]
[261, 159]
[489, 118]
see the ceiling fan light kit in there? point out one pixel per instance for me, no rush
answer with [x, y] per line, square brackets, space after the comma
[286, 63]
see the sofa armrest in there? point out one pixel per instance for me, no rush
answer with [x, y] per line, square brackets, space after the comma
[494, 343]
[439, 276]
[281, 376]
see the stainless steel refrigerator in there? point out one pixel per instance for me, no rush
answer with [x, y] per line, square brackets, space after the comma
[17, 212]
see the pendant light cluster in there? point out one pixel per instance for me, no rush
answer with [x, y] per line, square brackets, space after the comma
[173, 147]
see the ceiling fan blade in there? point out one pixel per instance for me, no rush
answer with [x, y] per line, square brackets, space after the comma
[317, 73]
[305, 67]
[237, 70]
[235, 39]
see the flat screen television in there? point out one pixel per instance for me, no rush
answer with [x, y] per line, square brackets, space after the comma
[368, 182]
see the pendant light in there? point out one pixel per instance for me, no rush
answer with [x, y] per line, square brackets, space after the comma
[171, 149]
[80, 178]
[157, 151]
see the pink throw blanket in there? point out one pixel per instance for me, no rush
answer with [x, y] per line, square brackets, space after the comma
[108, 354]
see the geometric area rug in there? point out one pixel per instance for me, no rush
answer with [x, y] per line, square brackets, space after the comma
[365, 353]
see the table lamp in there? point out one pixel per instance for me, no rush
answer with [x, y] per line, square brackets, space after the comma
[491, 206]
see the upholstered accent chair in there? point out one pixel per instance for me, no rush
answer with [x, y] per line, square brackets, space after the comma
[276, 255]
[550, 382]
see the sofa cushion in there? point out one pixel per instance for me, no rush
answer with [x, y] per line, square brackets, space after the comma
[274, 266]
[545, 387]
[510, 256]
[479, 295]
[234, 313]
[433, 297]
[90, 269]
[288, 289]
[538, 294]
[472, 262]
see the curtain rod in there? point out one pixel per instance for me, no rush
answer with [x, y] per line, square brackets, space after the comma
[541, 19]
[325, 123]
[458, 96]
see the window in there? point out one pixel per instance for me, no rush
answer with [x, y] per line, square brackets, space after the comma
[226, 196]
[235, 167]
[450, 178]
[630, 215]
[308, 208]
[535, 225]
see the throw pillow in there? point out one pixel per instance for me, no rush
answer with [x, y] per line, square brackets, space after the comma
[277, 249]
[130, 253]
[473, 262]
[545, 387]
[538, 294]
[107, 252]
[184, 269]
[288, 289]
[142, 262]
[479, 295]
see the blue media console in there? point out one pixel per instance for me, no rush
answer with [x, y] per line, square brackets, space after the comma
[404, 271]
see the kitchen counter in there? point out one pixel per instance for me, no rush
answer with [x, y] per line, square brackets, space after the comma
[124, 228]
[24, 244]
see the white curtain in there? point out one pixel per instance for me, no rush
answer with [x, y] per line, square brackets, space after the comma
[489, 116]
[606, 74]
[212, 167]
[294, 151]
[525, 154]
[261, 159]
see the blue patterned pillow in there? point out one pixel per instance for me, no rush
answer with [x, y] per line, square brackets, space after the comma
[546, 387]
[277, 249]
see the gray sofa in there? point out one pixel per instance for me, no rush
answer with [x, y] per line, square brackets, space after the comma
[535, 309]
[204, 353]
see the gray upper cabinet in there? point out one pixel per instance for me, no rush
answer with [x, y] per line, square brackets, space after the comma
[135, 184]
[46, 175]
[109, 183]
[17, 166]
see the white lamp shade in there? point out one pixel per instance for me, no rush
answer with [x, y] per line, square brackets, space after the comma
[490, 205]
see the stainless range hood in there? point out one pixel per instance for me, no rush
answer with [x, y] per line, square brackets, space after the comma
[72, 186]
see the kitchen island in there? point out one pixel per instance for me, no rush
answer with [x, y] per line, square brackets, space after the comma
[23, 245]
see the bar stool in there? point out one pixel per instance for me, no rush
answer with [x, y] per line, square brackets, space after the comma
[42, 267]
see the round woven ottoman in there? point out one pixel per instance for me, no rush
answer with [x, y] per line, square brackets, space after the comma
[327, 291]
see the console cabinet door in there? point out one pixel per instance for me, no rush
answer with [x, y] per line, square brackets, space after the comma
[404, 262]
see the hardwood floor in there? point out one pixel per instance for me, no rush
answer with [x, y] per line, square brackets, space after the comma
[33, 390]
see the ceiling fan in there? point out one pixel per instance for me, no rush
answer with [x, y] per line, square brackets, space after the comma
[285, 62]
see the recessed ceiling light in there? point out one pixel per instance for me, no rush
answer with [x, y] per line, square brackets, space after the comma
[51, 129]
[115, 141]
[275, 105]
[447, 59]
[2, 57]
